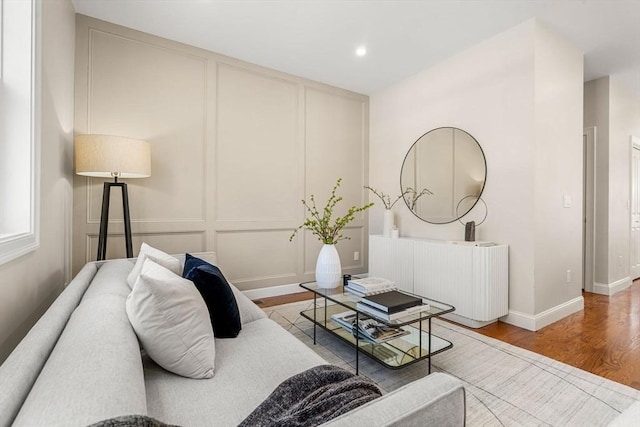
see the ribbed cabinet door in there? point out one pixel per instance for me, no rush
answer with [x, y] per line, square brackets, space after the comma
[490, 282]
[444, 272]
[392, 259]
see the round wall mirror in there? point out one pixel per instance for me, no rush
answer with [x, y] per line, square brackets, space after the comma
[443, 175]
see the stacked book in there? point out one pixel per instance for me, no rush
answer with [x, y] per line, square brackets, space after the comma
[391, 305]
[367, 329]
[369, 286]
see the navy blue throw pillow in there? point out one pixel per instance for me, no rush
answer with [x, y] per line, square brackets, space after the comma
[217, 294]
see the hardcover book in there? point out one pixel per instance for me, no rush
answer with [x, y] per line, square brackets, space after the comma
[389, 317]
[392, 301]
[368, 284]
[361, 293]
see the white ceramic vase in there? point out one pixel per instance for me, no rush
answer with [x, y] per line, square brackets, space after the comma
[328, 268]
[387, 224]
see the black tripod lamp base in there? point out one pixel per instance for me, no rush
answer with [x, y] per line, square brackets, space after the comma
[104, 219]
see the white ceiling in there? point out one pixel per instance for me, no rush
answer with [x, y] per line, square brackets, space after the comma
[317, 39]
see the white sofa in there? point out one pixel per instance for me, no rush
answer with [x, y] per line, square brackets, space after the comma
[82, 363]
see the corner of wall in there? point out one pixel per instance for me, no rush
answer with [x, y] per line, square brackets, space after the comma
[558, 109]
[612, 288]
[547, 317]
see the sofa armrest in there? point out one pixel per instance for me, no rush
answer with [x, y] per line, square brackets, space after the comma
[94, 372]
[438, 400]
[628, 417]
[21, 369]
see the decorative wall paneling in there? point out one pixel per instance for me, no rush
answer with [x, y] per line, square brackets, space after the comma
[234, 147]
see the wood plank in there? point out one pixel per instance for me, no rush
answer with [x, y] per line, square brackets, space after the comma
[283, 299]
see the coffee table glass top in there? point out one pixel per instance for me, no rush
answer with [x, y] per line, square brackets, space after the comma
[347, 299]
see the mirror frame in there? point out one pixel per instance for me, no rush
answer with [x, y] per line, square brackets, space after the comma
[456, 217]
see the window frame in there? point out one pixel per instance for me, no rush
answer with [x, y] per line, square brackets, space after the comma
[15, 245]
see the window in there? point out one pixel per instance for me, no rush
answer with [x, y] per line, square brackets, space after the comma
[19, 124]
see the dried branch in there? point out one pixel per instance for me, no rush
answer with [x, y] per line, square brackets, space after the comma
[321, 225]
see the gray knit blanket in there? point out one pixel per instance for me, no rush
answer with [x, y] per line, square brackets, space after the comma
[131, 421]
[313, 397]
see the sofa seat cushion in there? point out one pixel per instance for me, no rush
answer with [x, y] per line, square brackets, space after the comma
[248, 369]
[249, 312]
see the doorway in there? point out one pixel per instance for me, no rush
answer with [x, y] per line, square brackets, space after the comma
[588, 208]
[635, 208]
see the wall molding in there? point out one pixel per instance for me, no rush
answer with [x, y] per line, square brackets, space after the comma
[273, 291]
[285, 275]
[547, 317]
[613, 287]
[198, 237]
[211, 131]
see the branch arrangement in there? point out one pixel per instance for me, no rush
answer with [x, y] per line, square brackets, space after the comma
[321, 224]
[386, 199]
[413, 199]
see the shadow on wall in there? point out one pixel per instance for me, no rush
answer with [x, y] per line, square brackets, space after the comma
[21, 330]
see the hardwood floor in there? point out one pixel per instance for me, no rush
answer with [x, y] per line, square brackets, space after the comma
[603, 339]
[283, 299]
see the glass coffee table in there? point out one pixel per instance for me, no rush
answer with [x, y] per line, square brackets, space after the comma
[416, 345]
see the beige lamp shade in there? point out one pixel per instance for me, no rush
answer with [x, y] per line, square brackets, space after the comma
[106, 156]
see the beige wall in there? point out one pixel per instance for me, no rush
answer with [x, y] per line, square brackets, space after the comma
[615, 113]
[497, 91]
[558, 170]
[30, 283]
[234, 147]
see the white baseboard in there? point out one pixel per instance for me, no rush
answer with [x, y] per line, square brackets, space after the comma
[612, 288]
[273, 291]
[547, 317]
[520, 319]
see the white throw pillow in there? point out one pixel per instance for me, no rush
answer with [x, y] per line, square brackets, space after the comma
[158, 257]
[172, 322]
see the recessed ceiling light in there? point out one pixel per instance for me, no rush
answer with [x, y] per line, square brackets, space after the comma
[361, 51]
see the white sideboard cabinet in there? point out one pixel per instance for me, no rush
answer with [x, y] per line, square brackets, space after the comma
[473, 278]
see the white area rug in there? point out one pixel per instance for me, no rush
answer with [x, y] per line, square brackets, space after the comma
[505, 385]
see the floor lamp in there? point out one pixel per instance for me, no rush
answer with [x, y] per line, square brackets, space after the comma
[108, 156]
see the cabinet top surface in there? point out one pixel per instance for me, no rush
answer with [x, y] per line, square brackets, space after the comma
[479, 244]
